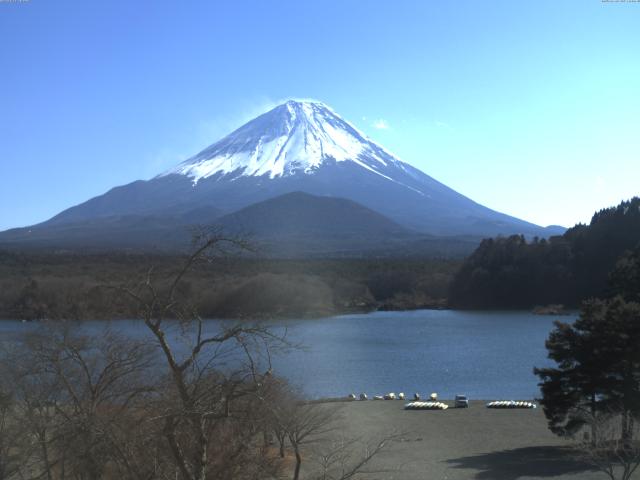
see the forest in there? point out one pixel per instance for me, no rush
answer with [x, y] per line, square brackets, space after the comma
[513, 272]
[80, 286]
[504, 272]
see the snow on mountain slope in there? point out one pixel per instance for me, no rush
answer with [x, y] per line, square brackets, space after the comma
[299, 146]
[295, 137]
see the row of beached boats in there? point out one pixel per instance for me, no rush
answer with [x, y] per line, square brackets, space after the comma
[426, 406]
[444, 406]
[391, 396]
[433, 404]
[510, 404]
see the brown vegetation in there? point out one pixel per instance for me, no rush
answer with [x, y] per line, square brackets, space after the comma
[200, 406]
[64, 285]
[605, 447]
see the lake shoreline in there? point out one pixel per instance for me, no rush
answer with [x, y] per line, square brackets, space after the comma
[261, 317]
[312, 315]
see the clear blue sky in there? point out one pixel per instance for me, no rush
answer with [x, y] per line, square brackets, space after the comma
[531, 108]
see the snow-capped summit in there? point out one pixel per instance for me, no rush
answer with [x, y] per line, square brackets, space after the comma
[295, 137]
[299, 146]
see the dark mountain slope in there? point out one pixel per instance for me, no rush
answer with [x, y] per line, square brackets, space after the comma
[302, 214]
[293, 225]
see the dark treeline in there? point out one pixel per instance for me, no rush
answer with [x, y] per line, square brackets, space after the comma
[515, 273]
[35, 286]
[592, 393]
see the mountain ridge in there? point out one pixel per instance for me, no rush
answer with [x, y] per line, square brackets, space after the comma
[293, 225]
[295, 147]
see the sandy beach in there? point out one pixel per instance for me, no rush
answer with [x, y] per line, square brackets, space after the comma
[462, 444]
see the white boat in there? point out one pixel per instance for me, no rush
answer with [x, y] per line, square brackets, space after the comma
[426, 406]
[510, 404]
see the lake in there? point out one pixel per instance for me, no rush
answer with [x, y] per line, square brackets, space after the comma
[485, 355]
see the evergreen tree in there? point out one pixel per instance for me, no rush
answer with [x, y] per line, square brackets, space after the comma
[573, 392]
[625, 277]
[598, 360]
[515, 273]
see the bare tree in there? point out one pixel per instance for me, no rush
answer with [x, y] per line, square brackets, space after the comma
[206, 397]
[343, 458]
[35, 395]
[308, 424]
[102, 406]
[197, 401]
[12, 453]
[74, 394]
[313, 431]
[615, 447]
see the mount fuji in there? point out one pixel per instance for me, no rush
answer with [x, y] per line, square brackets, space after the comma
[299, 146]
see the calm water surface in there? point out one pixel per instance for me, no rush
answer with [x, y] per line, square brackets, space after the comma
[486, 355]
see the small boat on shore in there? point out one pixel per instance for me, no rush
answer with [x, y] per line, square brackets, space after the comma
[510, 404]
[426, 406]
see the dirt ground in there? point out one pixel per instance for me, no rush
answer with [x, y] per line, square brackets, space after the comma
[461, 444]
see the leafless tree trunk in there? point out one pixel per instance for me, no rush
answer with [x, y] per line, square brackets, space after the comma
[11, 438]
[614, 448]
[73, 393]
[311, 430]
[205, 400]
[345, 459]
[101, 406]
[307, 424]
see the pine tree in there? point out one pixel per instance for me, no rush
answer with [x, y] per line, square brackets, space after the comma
[598, 367]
